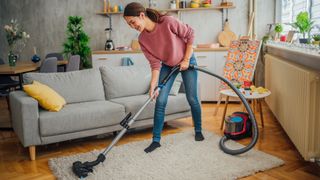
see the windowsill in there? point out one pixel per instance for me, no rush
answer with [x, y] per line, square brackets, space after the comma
[310, 60]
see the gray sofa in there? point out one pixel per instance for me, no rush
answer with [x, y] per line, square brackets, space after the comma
[97, 100]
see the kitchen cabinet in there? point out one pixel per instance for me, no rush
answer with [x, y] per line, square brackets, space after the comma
[213, 60]
[220, 61]
[207, 83]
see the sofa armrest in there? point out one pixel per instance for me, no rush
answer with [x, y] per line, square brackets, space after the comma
[25, 118]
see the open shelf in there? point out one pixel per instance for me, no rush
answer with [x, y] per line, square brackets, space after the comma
[177, 10]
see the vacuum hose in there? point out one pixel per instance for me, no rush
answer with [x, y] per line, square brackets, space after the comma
[82, 169]
[249, 110]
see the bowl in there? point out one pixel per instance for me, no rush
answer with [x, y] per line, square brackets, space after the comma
[194, 5]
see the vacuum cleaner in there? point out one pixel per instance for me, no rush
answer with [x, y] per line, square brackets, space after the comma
[82, 169]
[251, 117]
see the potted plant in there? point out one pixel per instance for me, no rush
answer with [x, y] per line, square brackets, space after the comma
[278, 29]
[77, 41]
[316, 39]
[303, 24]
[17, 39]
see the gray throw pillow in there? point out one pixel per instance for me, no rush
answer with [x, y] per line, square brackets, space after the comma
[122, 81]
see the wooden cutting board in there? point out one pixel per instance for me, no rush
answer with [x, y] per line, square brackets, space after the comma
[226, 36]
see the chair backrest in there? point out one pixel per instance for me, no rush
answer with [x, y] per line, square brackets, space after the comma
[49, 65]
[1, 61]
[59, 56]
[73, 64]
[241, 61]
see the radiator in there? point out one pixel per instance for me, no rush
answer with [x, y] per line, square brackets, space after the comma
[295, 102]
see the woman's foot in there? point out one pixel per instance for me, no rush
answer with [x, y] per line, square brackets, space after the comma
[153, 146]
[199, 136]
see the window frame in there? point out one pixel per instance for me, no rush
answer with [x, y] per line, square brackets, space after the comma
[309, 7]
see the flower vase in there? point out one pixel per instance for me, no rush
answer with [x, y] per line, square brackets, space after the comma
[12, 59]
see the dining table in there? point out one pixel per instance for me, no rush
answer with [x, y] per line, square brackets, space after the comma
[22, 67]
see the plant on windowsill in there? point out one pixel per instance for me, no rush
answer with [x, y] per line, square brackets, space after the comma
[77, 41]
[316, 39]
[278, 29]
[304, 25]
[17, 39]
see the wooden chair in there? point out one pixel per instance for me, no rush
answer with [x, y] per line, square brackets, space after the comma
[7, 84]
[59, 57]
[49, 65]
[73, 64]
[240, 64]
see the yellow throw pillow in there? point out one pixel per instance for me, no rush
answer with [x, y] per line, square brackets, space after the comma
[47, 97]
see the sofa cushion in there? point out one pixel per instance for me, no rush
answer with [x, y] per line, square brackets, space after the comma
[122, 81]
[76, 86]
[176, 85]
[176, 104]
[80, 116]
[46, 97]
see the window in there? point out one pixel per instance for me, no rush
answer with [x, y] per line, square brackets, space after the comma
[291, 8]
[315, 15]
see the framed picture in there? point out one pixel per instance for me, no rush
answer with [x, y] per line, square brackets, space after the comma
[290, 36]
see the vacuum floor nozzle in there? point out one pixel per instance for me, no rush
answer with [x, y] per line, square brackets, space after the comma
[83, 169]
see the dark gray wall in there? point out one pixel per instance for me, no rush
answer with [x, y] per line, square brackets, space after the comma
[46, 20]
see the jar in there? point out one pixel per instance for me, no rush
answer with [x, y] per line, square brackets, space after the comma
[12, 58]
[173, 5]
[183, 4]
[115, 8]
[153, 4]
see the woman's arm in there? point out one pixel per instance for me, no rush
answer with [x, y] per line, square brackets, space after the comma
[184, 65]
[154, 82]
[186, 33]
[155, 66]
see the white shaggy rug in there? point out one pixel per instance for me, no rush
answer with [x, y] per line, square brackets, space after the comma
[179, 157]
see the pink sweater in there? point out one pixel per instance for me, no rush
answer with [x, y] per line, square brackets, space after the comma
[166, 43]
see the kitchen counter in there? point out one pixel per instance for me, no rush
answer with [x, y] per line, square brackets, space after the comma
[308, 59]
[139, 51]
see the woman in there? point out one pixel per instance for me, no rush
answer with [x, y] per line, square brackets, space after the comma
[166, 42]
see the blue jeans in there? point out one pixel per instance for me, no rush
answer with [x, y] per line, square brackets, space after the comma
[189, 77]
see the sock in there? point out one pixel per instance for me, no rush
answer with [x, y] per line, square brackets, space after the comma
[199, 136]
[153, 146]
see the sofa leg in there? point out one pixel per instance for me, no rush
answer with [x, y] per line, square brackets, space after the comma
[8, 103]
[32, 152]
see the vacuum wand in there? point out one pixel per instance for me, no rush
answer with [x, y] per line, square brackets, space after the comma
[83, 169]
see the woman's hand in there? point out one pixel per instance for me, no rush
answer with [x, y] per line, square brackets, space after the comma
[152, 87]
[184, 65]
[154, 83]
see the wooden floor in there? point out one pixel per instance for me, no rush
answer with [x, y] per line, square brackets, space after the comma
[15, 164]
